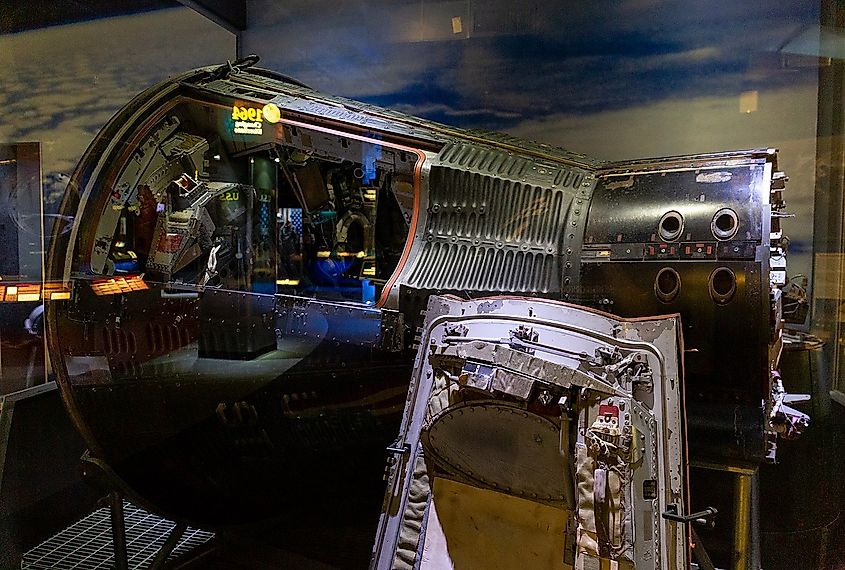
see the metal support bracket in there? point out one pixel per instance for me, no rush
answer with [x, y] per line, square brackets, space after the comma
[118, 530]
[397, 449]
[707, 517]
[101, 474]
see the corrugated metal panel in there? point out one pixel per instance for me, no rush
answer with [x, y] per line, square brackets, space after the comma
[445, 266]
[495, 222]
[487, 160]
[477, 207]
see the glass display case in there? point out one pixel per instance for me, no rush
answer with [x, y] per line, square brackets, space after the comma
[240, 268]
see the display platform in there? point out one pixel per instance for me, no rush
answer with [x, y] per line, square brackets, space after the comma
[88, 542]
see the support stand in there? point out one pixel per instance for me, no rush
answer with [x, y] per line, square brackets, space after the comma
[118, 531]
[105, 477]
[160, 559]
[746, 509]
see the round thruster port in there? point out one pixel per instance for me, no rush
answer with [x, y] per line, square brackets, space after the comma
[667, 284]
[725, 224]
[671, 226]
[722, 285]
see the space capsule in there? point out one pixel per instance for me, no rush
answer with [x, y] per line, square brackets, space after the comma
[251, 262]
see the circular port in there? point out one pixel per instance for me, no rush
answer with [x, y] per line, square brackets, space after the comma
[667, 284]
[671, 225]
[725, 224]
[722, 285]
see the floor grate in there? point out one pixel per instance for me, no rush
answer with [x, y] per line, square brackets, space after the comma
[87, 544]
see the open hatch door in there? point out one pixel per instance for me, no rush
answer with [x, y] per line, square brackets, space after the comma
[538, 435]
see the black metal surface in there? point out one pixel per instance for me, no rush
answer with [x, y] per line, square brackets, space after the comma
[655, 221]
[223, 314]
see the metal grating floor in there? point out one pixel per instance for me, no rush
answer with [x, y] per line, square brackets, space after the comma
[87, 544]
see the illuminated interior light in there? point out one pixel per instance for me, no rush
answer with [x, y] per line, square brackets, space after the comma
[289, 282]
[603, 253]
[323, 254]
[31, 292]
[277, 159]
[136, 283]
[55, 291]
[271, 113]
[369, 271]
[216, 157]
[119, 285]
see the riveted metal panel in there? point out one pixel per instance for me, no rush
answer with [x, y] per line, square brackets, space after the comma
[497, 221]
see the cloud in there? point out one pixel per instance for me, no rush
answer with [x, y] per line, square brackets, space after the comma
[692, 57]
[611, 78]
[62, 84]
[448, 111]
[785, 120]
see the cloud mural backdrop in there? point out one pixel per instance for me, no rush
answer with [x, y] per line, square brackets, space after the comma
[611, 78]
[60, 85]
[614, 79]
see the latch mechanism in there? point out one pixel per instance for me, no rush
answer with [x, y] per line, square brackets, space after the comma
[707, 517]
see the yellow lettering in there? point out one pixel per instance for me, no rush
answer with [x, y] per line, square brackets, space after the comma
[247, 114]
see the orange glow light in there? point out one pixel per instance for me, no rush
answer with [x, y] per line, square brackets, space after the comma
[118, 285]
[32, 292]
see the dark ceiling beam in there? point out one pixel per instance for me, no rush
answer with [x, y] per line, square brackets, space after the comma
[229, 14]
[17, 16]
